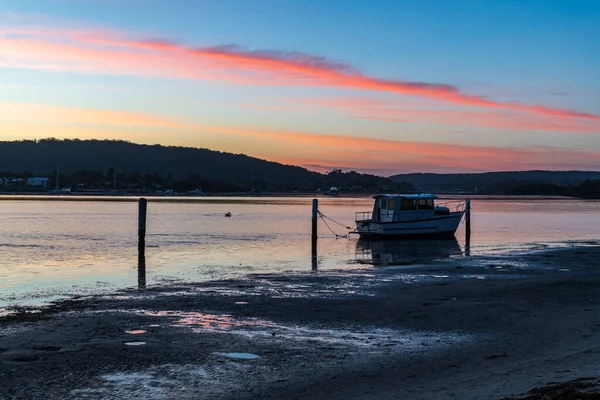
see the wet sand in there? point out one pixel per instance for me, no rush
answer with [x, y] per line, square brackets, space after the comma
[457, 328]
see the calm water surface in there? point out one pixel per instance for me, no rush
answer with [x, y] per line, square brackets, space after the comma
[56, 248]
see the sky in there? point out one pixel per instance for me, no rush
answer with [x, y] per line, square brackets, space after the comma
[376, 86]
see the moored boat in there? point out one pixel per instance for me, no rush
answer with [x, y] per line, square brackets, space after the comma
[397, 215]
[333, 191]
[196, 192]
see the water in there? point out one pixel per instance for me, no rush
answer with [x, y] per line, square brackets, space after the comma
[51, 249]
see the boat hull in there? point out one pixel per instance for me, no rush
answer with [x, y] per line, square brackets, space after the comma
[442, 226]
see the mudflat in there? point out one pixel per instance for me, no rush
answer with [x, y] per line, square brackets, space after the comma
[474, 327]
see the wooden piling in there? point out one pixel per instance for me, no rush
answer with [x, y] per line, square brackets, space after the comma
[142, 274]
[142, 209]
[313, 257]
[315, 214]
[468, 227]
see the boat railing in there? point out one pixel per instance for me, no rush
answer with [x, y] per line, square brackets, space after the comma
[453, 205]
[382, 216]
[363, 216]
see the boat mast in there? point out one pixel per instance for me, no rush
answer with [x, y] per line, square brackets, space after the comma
[57, 166]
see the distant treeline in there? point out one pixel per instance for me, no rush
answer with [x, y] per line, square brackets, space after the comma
[134, 181]
[588, 189]
[114, 164]
[556, 183]
[499, 178]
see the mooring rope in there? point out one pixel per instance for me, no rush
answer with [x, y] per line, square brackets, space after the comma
[332, 220]
[323, 217]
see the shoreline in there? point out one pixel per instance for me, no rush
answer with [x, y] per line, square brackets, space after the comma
[184, 197]
[478, 329]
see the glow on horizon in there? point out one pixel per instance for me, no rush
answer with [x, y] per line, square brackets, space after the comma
[411, 156]
[395, 123]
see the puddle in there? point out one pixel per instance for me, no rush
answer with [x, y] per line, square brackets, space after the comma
[213, 322]
[120, 297]
[4, 312]
[241, 356]
[12, 329]
[126, 377]
[136, 332]
[364, 337]
[134, 343]
[128, 385]
[210, 322]
[167, 381]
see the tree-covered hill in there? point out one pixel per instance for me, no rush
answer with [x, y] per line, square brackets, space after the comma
[41, 157]
[115, 164]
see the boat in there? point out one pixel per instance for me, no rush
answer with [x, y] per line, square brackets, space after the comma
[397, 215]
[333, 191]
[196, 192]
[60, 191]
[57, 189]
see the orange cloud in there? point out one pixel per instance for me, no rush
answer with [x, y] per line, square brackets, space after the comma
[43, 115]
[102, 51]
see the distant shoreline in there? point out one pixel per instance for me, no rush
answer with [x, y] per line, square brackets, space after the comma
[131, 197]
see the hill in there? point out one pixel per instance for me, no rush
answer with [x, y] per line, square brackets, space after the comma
[41, 157]
[492, 182]
[92, 164]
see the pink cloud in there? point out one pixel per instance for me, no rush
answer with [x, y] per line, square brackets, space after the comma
[389, 111]
[113, 52]
[386, 155]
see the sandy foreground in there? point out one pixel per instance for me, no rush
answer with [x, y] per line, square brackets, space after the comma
[457, 328]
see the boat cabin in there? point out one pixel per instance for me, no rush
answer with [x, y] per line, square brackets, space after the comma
[409, 207]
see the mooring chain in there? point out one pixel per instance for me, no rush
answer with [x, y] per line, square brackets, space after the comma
[323, 217]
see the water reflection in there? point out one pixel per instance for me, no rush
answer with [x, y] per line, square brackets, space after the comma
[404, 251]
[141, 272]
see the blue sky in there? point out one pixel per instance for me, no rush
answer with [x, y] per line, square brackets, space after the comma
[82, 68]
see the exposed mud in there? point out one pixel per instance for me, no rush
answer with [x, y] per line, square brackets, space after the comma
[463, 328]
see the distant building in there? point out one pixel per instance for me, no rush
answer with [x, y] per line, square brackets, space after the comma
[37, 182]
[10, 182]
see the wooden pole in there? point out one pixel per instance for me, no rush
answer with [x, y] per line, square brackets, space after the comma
[468, 227]
[315, 214]
[141, 274]
[313, 257]
[313, 236]
[142, 209]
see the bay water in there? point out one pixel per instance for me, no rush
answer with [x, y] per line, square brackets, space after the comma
[52, 248]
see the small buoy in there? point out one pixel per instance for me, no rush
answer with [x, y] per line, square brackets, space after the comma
[228, 214]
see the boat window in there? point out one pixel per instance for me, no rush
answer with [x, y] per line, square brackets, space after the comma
[391, 204]
[383, 203]
[425, 204]
[409, 204]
